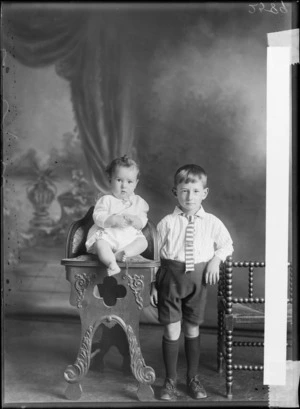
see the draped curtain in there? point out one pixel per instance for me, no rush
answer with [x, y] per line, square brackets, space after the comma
[92, 51]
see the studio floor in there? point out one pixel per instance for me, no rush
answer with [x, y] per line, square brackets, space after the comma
[36, 353]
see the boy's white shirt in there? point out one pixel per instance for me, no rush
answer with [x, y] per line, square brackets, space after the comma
[211, 237]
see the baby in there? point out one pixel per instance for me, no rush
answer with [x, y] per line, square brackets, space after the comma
[119, 217]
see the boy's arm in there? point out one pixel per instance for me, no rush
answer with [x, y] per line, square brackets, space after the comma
[153, 295]
[223, 242]
[223, 248]
[212, 270]
[162, 233]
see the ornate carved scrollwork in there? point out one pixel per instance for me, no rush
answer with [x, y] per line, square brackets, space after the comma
[75, 372]
[82, 282]
[144, 374]
[136, 283]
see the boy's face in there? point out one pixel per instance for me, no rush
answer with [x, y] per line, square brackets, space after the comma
[190, 195]
[123, 182]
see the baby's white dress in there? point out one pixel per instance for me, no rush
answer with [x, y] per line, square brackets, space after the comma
[118, 238]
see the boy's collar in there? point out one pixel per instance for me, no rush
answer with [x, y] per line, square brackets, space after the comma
[199, 213]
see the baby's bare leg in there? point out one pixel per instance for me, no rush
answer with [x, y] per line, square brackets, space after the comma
[106, 255]
[133, 249]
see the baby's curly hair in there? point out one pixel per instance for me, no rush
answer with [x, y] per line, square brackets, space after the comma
[123, 161]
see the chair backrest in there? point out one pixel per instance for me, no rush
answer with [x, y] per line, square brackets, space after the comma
[226, 280]
[151, 252]
[78, 232]
[75, 245]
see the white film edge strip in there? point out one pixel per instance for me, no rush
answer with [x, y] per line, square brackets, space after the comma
[277, 212]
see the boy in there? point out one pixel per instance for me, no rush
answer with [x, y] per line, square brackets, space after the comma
[192, 244]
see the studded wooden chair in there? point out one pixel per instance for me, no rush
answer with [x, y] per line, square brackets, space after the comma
[116, 308]
[232, 311]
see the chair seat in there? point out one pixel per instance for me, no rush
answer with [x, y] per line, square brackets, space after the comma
[249, 313]
[91, 260]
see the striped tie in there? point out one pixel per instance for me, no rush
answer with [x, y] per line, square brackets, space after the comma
[189, 244]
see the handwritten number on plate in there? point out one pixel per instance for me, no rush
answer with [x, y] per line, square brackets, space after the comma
[282, 8]
[253, 8]
[272, 9]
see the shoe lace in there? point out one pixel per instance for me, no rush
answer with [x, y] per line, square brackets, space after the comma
[170, 385]
[195, 384]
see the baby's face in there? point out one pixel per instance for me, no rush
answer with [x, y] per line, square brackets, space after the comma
[190, 195]
[123, 182]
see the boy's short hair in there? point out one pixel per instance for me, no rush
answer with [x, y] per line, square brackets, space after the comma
[123, 161]
[190, 174]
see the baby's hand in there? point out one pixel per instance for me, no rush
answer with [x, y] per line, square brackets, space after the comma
[128, 217]
[120, 221]
[212, 271]
[134, 221]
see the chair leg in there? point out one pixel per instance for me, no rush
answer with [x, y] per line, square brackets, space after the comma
[220, 357]
[74, 373]
[144, 374]
[229, 366]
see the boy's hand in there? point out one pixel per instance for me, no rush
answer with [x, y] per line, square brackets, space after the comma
[153, 295]
[212, 271]
[133, 221]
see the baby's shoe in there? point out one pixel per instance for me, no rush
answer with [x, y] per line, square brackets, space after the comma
[195, 389]
[169, 391]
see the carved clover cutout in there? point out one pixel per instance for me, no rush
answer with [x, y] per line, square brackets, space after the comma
[110, 291]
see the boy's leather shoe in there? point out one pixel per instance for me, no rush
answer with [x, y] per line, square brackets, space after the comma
[195, 388]
[169, 391]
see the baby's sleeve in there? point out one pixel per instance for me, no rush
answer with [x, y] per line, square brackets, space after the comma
[101, 211]
[143, 209]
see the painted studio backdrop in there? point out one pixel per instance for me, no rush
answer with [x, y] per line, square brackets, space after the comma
[164, 85]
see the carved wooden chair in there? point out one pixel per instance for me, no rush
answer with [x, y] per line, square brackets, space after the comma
[117, 311]
[232, 311]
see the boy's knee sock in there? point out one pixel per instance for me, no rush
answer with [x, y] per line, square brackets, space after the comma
[192, 353]
[170, 356]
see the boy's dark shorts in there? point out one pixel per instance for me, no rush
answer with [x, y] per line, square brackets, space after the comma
[180, 295]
